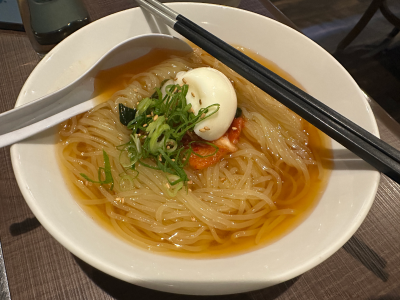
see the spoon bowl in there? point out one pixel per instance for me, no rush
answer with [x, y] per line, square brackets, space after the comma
[77, 97]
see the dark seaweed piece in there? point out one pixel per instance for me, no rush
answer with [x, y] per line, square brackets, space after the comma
[126, 114]
[238, 112]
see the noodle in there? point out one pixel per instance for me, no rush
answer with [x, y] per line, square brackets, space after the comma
[247, 194]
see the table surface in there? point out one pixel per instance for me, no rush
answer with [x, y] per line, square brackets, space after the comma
[38, 267]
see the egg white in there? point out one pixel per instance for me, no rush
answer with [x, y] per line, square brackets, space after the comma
[209, 86]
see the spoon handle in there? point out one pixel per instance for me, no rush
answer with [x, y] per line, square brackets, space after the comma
[36, 116]
[45, 107]
[29, 130]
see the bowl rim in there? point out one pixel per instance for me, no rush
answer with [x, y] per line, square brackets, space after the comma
[29, 198]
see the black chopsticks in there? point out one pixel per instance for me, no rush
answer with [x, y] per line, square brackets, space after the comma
[377, 153]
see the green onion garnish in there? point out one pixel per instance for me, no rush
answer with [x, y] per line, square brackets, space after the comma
[158, 128]
[108, 179]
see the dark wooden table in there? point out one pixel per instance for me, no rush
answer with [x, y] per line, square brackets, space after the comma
[37, 267]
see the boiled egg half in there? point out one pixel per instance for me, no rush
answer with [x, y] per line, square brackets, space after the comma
[208, 86]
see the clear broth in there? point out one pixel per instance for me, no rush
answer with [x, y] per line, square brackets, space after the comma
[108, 82]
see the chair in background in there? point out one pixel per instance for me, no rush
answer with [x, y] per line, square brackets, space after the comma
[367, 16]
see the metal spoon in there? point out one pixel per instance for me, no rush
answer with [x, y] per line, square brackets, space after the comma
[26, 120]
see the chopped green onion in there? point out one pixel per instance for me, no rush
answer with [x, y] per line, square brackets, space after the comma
[158, 128]
[107, 173]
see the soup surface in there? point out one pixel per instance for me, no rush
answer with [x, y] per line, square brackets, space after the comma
[275, 191]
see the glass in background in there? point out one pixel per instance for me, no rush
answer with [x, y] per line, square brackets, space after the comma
[47, 22]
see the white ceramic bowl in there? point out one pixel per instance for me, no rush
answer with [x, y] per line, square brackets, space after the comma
[344, 205]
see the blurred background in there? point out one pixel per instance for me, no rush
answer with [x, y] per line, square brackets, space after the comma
[372, 58]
